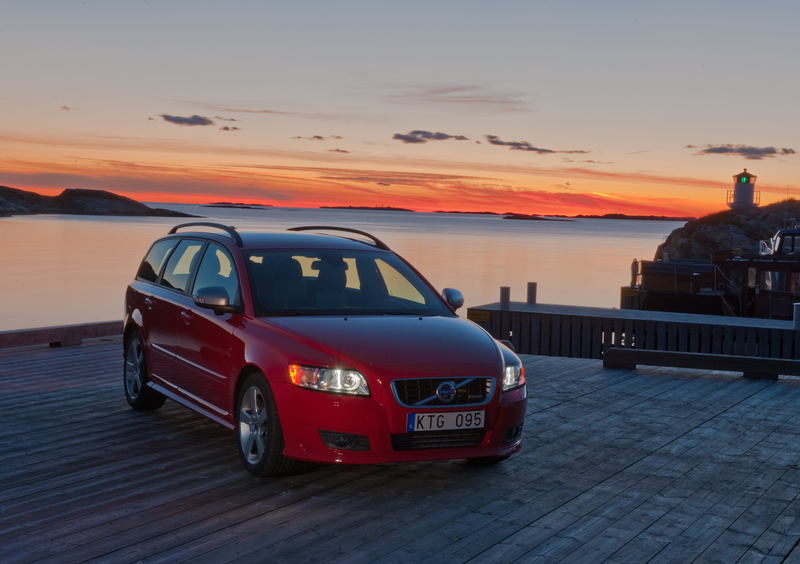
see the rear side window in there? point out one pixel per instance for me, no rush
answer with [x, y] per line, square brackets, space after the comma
[152, 263]
[179, 266]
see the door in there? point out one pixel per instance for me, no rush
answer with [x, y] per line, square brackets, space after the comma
[204, 338]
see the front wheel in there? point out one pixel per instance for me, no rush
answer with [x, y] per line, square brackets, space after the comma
[135, 377]
[258, 429]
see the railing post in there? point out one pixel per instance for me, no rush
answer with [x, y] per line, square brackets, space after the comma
[505, 297]
[531, 293]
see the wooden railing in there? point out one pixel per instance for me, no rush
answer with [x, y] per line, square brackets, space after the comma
[586, 332]
[61, 336]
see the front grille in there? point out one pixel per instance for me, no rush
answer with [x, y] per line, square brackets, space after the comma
[421, 392]
[437, 439]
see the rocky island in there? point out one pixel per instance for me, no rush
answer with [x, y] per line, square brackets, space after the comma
[76, 201]
[735, 230]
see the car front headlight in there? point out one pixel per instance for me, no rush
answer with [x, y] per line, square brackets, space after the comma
[334, 380]
[513, 376]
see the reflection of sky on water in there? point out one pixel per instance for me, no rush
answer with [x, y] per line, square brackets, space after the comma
[59, 270]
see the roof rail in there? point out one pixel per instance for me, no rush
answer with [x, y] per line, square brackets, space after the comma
[230, 230]
[378, 243]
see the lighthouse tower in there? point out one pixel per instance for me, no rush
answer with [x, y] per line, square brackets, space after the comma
[743, 194]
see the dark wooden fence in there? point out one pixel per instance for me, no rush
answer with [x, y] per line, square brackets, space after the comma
[61, 336]
[585, 332]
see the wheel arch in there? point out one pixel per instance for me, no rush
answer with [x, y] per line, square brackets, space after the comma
[126, 335]
[244, 373]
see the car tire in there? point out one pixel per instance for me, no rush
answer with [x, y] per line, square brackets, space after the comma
[259, 437]
[135, 377]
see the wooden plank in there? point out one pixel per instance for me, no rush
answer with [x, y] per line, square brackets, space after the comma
[740, 342]
[775, 348]
[764, 343]
[496, 325]
[751, 342]
[751, 366]
[683, 336]
[525, 333]
[787, 344]
[717, 340]
[536, 332]
[505, 325]
[516, 329]
[575, 350]
[705, 339]
[546, 328]
[669, 317]
[650, 330]
[618, 332]
[694, 337]
[597, 337]
[555, 335]
[586, 337]
[630, 336]
[729, 341]
[608, 334]
[661, 342]
[672, 337]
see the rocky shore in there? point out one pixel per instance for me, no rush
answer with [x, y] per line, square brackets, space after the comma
[738, 231]
[75, 201]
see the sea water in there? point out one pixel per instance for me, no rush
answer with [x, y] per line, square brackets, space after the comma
[61, 270]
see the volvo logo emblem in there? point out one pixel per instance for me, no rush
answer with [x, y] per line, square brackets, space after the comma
[446, 391]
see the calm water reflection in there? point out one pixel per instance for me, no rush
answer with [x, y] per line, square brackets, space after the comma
[59, 270]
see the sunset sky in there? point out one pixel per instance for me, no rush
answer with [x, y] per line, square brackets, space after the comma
[561, 107]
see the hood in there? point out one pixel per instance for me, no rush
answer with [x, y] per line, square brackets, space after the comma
[398, 340]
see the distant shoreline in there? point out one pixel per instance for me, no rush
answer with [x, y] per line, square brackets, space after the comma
[367, 208]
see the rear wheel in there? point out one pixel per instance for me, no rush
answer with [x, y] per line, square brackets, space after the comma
[135, 377]
[258, 429]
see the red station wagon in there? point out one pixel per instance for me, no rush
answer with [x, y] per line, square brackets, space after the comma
[316, 347]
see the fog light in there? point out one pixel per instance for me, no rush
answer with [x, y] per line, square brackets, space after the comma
[344, 441]
[513, 434]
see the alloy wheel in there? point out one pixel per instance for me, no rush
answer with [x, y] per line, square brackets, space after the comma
[253, 425]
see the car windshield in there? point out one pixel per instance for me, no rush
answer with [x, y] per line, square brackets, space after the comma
[335, 282]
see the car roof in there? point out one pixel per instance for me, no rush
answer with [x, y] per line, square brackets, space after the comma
[262, 240]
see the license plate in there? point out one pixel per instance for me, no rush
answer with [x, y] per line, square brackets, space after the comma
[444, 421]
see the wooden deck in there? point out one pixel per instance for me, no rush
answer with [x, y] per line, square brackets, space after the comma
[652, 465]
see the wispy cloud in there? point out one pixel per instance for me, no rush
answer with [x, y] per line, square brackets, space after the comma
[312, 138]
[228, 109]
[226, 128]
[746, 151]
[525, 146]
[191, 120]
[338, 151]
[225, 119]
[67, 108]
[420, 136]
[475, 96]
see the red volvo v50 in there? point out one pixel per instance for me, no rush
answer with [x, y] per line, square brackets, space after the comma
[316, 347]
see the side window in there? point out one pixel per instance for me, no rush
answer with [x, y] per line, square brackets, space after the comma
[152, 263]
[217, 269]
[179, 266]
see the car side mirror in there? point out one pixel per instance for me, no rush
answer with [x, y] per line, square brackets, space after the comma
[453, 297]
[216, 298]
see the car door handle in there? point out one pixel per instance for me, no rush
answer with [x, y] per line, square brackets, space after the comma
[187, 316]
[149, 302]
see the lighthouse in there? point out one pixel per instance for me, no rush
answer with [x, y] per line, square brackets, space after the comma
[743, 194]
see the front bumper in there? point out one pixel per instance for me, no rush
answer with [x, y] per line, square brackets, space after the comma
[304, 413]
